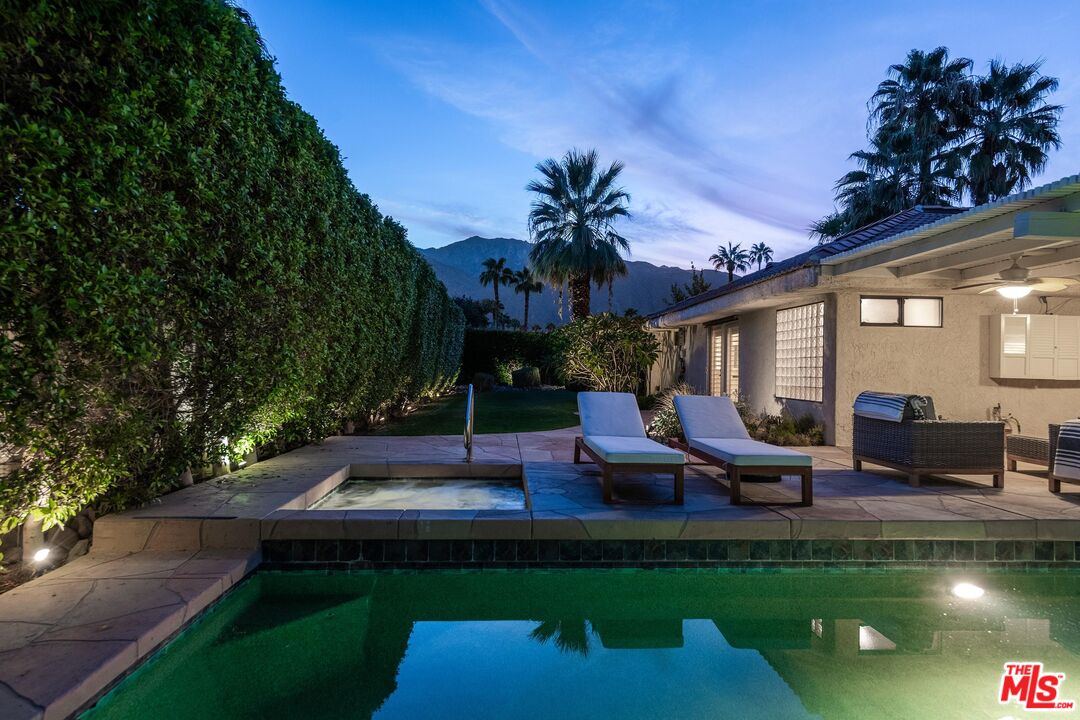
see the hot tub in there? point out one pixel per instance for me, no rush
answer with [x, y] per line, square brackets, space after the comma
[429, 487]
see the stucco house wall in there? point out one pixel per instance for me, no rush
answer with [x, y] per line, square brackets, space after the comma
[757, 364]
[950, 363]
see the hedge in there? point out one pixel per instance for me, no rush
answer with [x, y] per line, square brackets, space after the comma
[485, 350]
[185, 268]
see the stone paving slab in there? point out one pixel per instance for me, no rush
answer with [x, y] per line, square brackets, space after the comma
[67, 635]
[565, 500]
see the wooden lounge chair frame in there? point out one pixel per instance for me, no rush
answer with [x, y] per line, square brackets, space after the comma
[607, 470]
[734, 474]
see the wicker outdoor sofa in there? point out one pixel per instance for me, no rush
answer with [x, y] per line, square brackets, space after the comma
[914, 443]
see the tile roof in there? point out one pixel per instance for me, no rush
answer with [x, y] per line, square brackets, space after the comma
[901, 222]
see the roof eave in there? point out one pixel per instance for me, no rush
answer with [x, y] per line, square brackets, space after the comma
[1065, 186]
[773, 289]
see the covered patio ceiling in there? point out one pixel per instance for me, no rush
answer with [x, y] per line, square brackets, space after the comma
[1040, 227]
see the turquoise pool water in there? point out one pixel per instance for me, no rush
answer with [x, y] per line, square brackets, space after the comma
[619, 644]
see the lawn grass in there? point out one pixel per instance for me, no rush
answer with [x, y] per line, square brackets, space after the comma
[504, 411]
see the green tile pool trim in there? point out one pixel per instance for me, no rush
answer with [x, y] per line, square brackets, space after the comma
[419, 554]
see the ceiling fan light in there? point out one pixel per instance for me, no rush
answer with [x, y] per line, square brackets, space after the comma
[1014, 292]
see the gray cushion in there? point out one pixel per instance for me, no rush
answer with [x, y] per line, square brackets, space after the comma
[620, 449]
[612, 414]
[749, 453]
[705, 416]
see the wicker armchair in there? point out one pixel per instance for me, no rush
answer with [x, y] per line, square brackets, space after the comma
[931, 447]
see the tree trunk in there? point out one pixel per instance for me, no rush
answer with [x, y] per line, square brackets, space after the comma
[495, 313]
[525, 323]
[580, 289]
[610, 295]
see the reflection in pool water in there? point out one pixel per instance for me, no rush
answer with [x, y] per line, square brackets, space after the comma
[627, 644]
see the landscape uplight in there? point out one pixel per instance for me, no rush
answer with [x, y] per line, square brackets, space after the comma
[967, 591]
[41, 555]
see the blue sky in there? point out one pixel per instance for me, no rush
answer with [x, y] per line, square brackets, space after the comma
[734, 119]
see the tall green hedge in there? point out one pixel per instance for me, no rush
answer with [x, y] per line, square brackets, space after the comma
[182, 257]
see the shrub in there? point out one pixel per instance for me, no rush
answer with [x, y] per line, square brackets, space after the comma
[505, 369]
[665, 422]
[526, 377]
[782, 429]
[485, 350]
[606, 352]
[186, 270]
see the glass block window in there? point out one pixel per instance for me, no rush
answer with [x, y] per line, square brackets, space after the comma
[800, 350]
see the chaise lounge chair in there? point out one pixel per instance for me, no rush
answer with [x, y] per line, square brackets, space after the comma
[715, 433]
[614, 437]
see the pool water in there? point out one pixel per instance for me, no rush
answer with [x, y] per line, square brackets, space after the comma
[425, 494]
[619, 644]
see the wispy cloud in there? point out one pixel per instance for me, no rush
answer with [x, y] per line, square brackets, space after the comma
[739, 142]
[458, 221]
[542, 95]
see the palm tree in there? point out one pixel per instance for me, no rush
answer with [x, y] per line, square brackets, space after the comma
[606, 274]
[572, 224]
[525, 282]
[920, 111]
[1012, 130]
[761, 254]
[571, 635]
[879, 188]
[730, 258]
[495, 274]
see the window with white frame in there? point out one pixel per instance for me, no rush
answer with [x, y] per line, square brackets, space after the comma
[800, 351]
[889, 311]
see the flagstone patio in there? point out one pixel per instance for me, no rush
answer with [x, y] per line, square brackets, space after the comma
[66, 636]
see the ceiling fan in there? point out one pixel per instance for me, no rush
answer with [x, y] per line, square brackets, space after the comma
[1015, 282]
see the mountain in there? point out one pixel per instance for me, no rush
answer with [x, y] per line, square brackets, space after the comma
[646, 288]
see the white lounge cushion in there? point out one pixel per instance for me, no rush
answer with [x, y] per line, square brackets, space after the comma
[610, 414]
[617, 449]
[743, 453]
[706, 416]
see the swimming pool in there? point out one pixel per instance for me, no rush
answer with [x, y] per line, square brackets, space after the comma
[626, 644]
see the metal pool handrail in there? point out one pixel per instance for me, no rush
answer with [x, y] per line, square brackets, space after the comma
[468, 424]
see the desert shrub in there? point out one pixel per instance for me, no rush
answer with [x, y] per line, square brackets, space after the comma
[186, 269]
[505, 369]
[526, 377]
[665, 422]
[606, 352]
[783, 429]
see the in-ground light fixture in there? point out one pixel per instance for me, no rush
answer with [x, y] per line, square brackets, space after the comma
[967, 591]
[41, 554]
